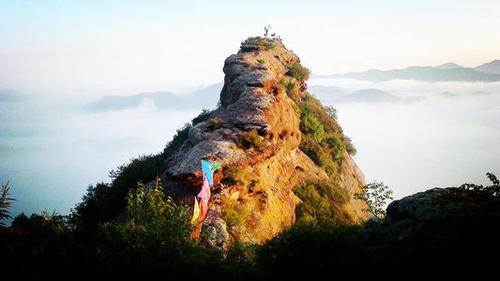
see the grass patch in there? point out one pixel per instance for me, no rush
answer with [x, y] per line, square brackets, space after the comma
[234, 212]
[233, 175]
[259, 41]
[297, 71]
[291, 89]
[250, 139]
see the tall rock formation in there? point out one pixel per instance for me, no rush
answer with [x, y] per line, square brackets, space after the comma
[255, 132]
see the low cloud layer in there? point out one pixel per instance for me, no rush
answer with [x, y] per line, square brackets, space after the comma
[424, 135]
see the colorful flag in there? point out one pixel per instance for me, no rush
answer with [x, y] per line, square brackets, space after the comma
[204, 196]
[205, 189]
[206, 169]
[215, 167]
[196, 210]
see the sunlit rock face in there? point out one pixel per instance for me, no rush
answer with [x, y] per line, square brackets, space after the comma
[259, 202]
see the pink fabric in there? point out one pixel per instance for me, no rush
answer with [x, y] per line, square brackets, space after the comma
[205, 197]
[205, 189]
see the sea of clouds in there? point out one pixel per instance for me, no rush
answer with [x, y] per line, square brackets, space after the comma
[429, 135]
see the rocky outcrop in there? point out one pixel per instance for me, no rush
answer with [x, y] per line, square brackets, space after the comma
[435, 228]
[252, 100]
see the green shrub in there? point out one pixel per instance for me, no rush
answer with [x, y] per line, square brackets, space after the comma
[331, 111]
[261, 61]
[103, 201]
[249, 139]
[297, 71]
[291, 89]
[335, 144]
[321, 202]
[311, 148]
[375, 195]
[203, 116]
[259, 41]
[309, 124]
[312, 106]
[234, 212]
[349, 146]
[493, 189]
[177, 141]
[319, 123]
[233, 175]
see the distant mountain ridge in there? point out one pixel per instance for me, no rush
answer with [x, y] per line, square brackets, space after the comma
[488, 72]
[162, 99]
[492, 67]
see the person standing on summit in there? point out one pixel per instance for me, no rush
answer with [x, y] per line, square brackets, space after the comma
[266, 30]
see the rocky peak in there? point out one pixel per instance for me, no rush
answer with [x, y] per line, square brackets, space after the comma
[255, 134]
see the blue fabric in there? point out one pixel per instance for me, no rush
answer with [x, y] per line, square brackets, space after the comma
[206, 168]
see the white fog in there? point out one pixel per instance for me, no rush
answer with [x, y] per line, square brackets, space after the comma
[426, 135]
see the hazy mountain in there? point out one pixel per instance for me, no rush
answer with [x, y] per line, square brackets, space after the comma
[489, 72]
[201, 98]
[327, 92]
[490, 67]
[368, 96]
[449, 65]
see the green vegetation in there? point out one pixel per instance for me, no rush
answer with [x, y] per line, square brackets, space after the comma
[493, 189]
[309, 124]
[316, 251]
[233, 175]
[104, 201]
[249, 139]
[297, 71]
[177, 140]
[234, 212]
[261, 61]
[322, 140]
[331, 111]
[151, 239]
[259, 41]
[291, 89]
[5, 201]
[375, 195]
[203, 116]
[321, 202]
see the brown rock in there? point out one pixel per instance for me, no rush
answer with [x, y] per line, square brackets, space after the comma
[253, 99]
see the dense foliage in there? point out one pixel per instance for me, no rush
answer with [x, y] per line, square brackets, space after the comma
[323, 139]
[321, 202]
[152, 239]
[297, 71]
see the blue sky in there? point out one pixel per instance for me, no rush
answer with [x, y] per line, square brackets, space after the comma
[132, 46]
